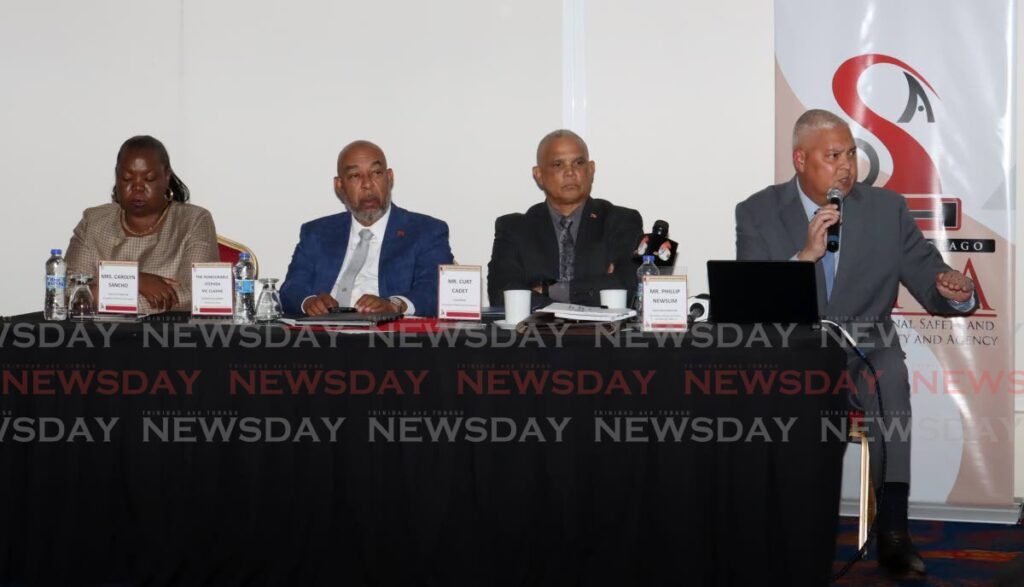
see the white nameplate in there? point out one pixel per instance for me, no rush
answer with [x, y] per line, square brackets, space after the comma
[664, 302]
[459, 292]
[118, 287]
[211, 289]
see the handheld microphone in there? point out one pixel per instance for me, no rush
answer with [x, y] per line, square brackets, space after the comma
[658, 244]
[660, 228]
[832, 240]
[698, 307]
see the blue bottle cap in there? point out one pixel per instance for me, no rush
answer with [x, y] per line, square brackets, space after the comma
[54, 251]
[648, 258]
[243, 256]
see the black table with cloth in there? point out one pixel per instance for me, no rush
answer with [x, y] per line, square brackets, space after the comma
[627, 510]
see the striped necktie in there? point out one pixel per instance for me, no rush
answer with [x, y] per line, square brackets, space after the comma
[566, 251]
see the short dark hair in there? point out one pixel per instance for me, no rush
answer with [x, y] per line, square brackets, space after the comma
[179, 191]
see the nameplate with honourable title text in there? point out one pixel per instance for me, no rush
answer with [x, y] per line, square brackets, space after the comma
[211, 289]
[459, 291]
[664, 302]
[118, 285]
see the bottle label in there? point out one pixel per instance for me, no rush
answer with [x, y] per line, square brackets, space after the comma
[244, 286]
[54, 282]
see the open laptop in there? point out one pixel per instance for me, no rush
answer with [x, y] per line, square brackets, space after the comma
[745, 292]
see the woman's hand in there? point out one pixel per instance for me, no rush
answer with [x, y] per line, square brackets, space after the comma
[158, 291]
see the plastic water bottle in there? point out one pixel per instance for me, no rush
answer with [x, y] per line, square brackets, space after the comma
[54, 307]
[648, 268]
[245, 290]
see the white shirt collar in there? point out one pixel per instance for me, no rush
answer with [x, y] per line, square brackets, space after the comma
[379, 228]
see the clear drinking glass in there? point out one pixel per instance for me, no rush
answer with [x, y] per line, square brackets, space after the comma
[70, 280]
[81, 305]
[268, 308]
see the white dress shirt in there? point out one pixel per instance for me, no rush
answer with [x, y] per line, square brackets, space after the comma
[367, 279]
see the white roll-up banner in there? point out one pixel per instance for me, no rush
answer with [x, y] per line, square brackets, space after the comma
[927, 87]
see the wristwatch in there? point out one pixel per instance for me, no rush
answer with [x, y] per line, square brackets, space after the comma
[399, 303]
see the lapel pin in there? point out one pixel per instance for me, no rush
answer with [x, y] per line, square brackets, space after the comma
[593, 216]
[399, 233]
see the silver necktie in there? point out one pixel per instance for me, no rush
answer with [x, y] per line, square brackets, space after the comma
[343, 289]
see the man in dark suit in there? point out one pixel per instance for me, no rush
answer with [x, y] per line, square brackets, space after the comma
[570, 246]
[880, 247]
[385, 261]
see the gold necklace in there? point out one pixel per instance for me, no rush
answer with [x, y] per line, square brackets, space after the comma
[148, 231]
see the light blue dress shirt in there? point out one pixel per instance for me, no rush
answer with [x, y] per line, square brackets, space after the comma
[811, 209]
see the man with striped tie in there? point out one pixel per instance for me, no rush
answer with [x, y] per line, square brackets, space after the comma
[570, 246]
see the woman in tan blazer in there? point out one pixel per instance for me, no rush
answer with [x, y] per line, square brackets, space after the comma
[150, 222]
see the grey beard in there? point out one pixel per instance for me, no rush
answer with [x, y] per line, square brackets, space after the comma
[370, 216]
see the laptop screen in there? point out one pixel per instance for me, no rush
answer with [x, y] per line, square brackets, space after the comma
[745, 292]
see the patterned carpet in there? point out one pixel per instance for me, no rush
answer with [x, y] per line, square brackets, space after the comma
[956, 554]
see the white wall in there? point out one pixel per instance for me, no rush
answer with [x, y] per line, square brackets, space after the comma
[680, 115]
[455, 92]
[78, 79]
[1018, 306]
[254, 99]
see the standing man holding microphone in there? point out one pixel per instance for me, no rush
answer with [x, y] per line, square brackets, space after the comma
[862, 255]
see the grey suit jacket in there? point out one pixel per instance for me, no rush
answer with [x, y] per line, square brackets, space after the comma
[881, 247]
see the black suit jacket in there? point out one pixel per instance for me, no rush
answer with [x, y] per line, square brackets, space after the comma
[525, 251]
